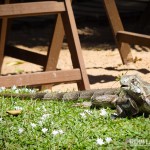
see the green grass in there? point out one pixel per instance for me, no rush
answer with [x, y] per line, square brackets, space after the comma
[77, 131]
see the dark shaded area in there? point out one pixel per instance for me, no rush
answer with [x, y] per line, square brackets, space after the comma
[101, 78]
[93, 25]
[110, 78]
[25, 55]
[144, 71]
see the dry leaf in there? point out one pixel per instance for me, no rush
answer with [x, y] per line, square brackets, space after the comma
[14, 112]
[14, 63]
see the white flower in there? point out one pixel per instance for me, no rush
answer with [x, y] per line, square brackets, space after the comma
[17, 91]
[32, 91]
[88, 111]
[20, 130]
[55, 132]
[2, 89]
[61, 131]
[1, 119]
[18, 107]
[83, 115]
[14, 87]
[26, 90]
[100, 141]
[44, 130]
[40, 123]
[45, 116]
[33, 125]
[103, 112]
[108, 139]
[37, 108]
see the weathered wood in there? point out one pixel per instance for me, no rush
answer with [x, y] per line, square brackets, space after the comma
[41, 78]
[32, 8]
[74, 44]
[3, 36]
[133, 38]
[54, 47]
[116, 25]
[49, 77]
[25, 55]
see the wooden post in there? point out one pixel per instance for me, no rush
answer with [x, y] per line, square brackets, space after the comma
[116, 25]
[74, 44]
[4, 27]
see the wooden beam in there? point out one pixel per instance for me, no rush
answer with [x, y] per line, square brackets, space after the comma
[133, 38]
[25, 55]
[41, 78]
[3, 35]
[116, 24]
[28, 9]
[74, 44]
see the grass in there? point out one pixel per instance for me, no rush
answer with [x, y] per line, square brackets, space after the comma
[57, 125]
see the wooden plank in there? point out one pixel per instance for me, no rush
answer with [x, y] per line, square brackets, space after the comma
[25, 55]
[55, 45]
[133, 38]
[41, 78]
[32, 8]
[4, 26]
[116, 25]
[54, 48]
[74, 45]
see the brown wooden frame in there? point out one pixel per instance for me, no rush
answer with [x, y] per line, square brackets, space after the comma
[65, 24]
[123, 38]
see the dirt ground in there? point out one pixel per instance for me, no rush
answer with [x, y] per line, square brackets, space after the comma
[101, 57]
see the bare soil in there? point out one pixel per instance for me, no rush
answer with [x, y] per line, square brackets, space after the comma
[102, 59]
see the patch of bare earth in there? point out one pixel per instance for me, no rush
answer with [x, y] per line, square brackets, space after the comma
[102, 60]
[102, 66]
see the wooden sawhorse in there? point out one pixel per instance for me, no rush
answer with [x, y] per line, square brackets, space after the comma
[123, 38]
[65, 24]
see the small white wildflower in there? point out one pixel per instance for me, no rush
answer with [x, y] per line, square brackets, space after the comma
[2, 89]
[1, 119]
[100, 141]
[18, 107]
[45, 116]
[32, 91]
[138, 90]
[61, 131]
[40, 123]
[108, 139]
[88, 112]
[103, 112]
[17, 91]
[26, 90]
[44, 130]
[37, 108]
[33, 125]
[83, 115]
[20, 130]
[55, 132]
[14, 87]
